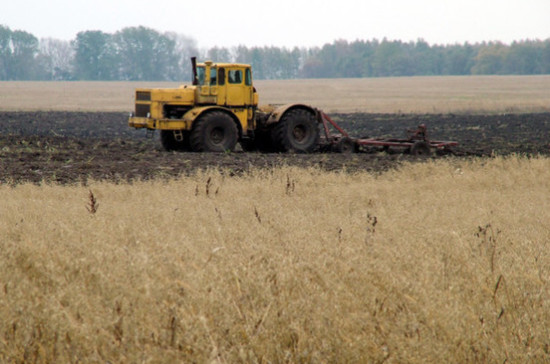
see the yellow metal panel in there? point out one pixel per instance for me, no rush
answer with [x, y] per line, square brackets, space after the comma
[242, 115]
[184, 95]
[194, 113]
[156, 110]
[162, 124]
[136, 122]
[172, 124]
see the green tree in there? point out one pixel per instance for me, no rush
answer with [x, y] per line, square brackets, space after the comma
[24, 50]
[458, 59]
[365, 51]
[348, 59]
[295, 62]
[145, 54]
[55, 59]
[218, 54]
[322, 62]
[271, 62]
[490, 59]
[523, 58]
[140, 53]
[5, 52]
[426, 60]
[95, 57]
[545, 57]
[392, 59]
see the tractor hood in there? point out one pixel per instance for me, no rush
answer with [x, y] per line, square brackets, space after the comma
[150, 102]
[184, 94]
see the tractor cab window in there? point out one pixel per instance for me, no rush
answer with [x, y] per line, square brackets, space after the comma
[235, 76]
[201, 75]
[248, 77]
[213, 77]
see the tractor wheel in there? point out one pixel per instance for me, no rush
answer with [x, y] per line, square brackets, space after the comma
[421, 149]
[248, 145]
[346, 146]
[214, 132]
[297, 131]
[171, 143]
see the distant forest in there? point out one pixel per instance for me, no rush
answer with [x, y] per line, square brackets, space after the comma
[144, 54]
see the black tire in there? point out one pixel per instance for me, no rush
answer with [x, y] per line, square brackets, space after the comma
[346, 145]
[263, 142]
[421, 148]
[248, 145]
[297, 131]
[170, 143]
[214, 132]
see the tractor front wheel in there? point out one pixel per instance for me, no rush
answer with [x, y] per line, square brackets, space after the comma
[214, 132]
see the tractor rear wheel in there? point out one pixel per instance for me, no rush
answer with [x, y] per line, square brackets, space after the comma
[297, 131]
[174, 140]
[214, 132]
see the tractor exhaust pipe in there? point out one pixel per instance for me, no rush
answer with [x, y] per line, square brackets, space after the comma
[194, 65]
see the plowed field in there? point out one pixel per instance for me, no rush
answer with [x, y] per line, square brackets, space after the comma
[69, 147]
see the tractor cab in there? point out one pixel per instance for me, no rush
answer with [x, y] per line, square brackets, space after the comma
[225, 84]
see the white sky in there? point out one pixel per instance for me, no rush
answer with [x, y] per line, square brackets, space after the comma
[288, 23]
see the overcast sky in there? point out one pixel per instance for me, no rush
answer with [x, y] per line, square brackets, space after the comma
[288, 23]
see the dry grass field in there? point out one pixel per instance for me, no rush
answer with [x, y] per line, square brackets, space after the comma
[430, 261]
[443, 261]
[472, 94]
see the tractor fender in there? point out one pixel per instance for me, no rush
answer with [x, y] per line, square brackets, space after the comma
[193, 114]
[277, 114]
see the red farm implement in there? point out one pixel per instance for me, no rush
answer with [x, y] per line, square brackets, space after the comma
[416, 143]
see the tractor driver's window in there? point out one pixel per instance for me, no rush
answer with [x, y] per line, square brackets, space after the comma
[235, 76]
[201, 75]
[213, 76]
[221, 76]
[248, 77]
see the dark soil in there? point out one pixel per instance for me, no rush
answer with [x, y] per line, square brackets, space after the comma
[69, 147]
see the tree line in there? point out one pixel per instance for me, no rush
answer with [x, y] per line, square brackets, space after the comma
[144, 54]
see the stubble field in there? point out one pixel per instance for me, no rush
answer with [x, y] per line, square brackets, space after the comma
[113, 250]
[409, 95]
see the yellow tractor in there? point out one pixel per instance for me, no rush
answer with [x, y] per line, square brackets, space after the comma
[219, 110]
